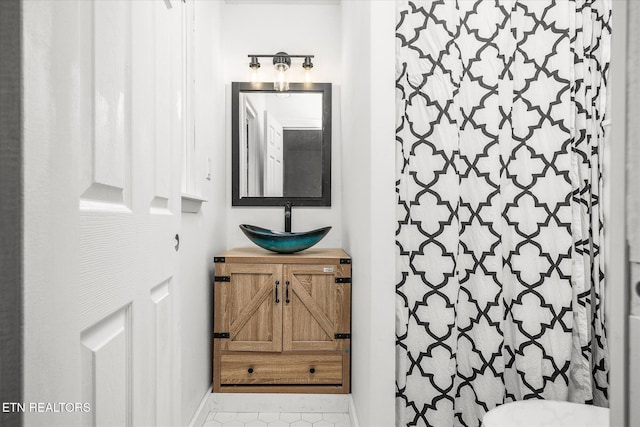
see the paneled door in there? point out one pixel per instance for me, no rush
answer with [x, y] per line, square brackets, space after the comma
[274, 168]
[251, 298]
[129, 212]
[315, 307]
[113, 70]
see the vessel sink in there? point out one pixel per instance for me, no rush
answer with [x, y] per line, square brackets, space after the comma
[284, 242]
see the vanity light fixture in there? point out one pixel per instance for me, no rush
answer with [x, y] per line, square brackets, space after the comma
[281, 63]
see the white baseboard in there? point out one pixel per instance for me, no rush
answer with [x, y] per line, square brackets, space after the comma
[352, 413]
[200, 416]
[279, 402]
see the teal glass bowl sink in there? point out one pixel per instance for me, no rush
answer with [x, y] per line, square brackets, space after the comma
[284, 242]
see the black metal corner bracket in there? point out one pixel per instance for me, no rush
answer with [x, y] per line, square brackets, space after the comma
[345, 260]
[343, 279]
[222, 279]
[342, 336]
[218, 259]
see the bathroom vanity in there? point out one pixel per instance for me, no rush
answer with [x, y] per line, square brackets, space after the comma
[282, 322]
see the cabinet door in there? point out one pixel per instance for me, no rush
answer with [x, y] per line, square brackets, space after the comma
[249, 307]
[315, 307]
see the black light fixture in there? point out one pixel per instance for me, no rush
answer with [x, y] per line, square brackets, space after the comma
[281, 62]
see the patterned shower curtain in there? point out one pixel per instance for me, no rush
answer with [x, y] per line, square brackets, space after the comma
[500, 130]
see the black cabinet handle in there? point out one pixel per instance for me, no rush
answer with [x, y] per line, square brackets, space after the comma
[638, 289]
[250, 370]
[287, 293]
[277, 283]
[312, 370]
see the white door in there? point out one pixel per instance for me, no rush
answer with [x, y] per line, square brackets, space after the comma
[251, 164]
[274, 171]
[103, 85]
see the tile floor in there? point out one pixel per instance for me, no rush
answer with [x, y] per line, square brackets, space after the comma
[276, 419]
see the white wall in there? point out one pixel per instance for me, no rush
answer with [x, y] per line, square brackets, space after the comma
[203, 234]
[297, 110]
[313, 28]
[368, 106]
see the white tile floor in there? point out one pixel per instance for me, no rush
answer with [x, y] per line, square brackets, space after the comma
[276, 419]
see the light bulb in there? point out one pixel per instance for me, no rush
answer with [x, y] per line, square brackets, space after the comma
[281, 62]
[281, 84]
[254, 65]
[307, 65]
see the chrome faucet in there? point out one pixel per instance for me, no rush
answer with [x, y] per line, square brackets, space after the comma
[287, 216]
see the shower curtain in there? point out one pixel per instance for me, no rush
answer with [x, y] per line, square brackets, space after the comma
[500, 129]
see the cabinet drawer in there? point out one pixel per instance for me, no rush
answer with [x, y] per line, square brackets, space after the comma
[292, 369]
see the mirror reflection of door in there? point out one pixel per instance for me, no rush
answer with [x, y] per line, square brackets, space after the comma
[254, 172]
[251, 180]
[273, 159]
[281, 139]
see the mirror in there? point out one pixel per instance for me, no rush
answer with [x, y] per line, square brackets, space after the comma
[281, 144]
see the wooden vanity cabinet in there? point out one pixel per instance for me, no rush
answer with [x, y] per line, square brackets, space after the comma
[282, 323]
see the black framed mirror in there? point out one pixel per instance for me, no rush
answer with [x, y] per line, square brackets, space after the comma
[281, 144]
